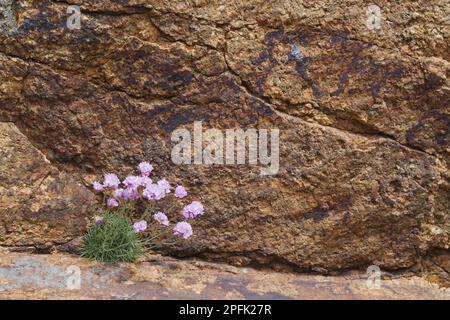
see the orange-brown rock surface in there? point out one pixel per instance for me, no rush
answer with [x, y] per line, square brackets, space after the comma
[363, 116]
[40, 206]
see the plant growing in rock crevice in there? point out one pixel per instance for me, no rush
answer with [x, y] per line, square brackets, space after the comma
[134, 218]
[112, 239]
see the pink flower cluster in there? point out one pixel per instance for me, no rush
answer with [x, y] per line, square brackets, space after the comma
[142, 187]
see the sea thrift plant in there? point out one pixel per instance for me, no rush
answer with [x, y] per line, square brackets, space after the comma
[180, 192]
[161, 218]
[145, 168]
[98, 219]
[193, 210]
[111, 181]
[112, 238]
[140, 226]
[112, 203]
[183, 229]
[146, 203]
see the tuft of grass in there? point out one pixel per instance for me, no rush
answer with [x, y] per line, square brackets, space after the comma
[113, 240]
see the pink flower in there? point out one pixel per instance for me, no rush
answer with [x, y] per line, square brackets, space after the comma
[193, 210]
[98, 219]
[111, 181]
[180, 192]
[97, 186]
[140, 226]
[132, 182]
[164, 184]
[153, 192]
[131, 194]
[112, 203]
[145, 168]
[182, 229]
[144, 181]
[161, 218]
[119, 193]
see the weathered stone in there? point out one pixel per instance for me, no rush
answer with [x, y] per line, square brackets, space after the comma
[363, 115]
[40, 207]
[155, 277]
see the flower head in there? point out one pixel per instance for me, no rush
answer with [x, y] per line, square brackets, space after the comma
[119, 193]
[164, 184]
[111, 181]
[140, 226]
[193, 210]
[111, 202]
[161, 218]
[132, 182]
[153, 192]
[182, 229]
[145, 168]
[130, 194]
[144, 181]
[180, 192]
[98, 219]
[97, 186]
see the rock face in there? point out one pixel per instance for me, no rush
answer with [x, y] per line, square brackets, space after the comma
[363, 115]
[40, 207]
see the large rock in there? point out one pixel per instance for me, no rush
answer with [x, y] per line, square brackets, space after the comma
[56, 277]
[363, 117]
[40, 207]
